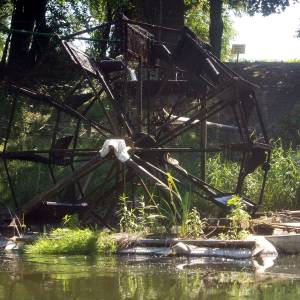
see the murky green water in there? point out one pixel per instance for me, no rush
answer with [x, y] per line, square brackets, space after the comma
[82, 277]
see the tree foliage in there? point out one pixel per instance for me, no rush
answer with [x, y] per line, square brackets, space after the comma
[197, 18]
[264, 7]
[64, 16]
[5, 12]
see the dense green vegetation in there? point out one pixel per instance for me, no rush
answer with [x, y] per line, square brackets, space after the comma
[282, 190]
[73, 241]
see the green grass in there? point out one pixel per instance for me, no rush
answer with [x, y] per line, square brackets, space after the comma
[106, 243]
[73, 242]
[282, 189]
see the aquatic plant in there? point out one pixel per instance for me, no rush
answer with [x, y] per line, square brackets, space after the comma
[128, 219]
[148, 217]
[178, 214]
[169, 206]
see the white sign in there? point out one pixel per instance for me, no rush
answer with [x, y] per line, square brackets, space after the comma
[238, 49]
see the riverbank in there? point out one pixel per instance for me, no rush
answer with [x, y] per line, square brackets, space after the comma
[265, 236]
[85, 241]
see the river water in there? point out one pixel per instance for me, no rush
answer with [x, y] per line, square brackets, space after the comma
[102, 277]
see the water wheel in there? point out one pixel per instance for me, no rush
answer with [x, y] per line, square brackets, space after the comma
[121, 123]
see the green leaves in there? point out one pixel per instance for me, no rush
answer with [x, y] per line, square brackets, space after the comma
[192, 226]
[266, 7]
[128, 219]
[71, 221]
[142, 219]
[239, 218]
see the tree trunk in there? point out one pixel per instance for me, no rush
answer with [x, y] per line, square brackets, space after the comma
[22, 19]
[39, 43]
[168, 13]
[216, 26]
[28, 15]
[104, 45]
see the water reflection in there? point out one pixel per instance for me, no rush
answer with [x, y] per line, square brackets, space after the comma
[80, 277]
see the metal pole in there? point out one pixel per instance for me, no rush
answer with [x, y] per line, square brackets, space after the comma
[140, 100]
[203, 143]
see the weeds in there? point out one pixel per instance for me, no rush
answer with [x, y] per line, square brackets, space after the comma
[128, 218]
[148, 216]
[106, 243]
[167, 213]
[239, 220]
[71, 221]
[192, 226]
[169, 208]
[144, 218]
[178, 214]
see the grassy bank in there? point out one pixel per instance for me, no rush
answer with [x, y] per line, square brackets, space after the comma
[73, 241]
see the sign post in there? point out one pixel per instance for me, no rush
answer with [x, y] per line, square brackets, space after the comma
[238, 49]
